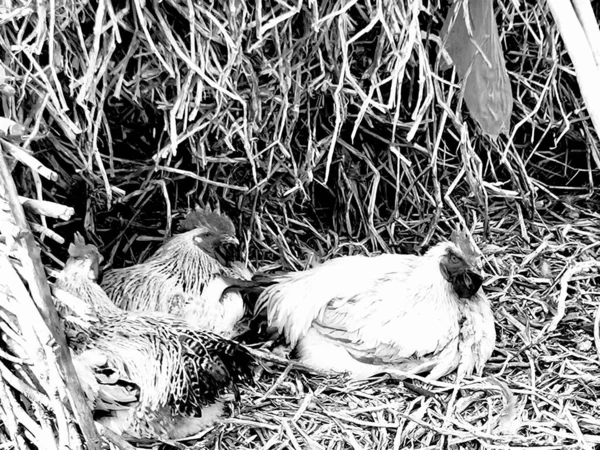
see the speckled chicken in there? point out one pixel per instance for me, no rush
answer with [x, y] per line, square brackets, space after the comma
[184, 276]
[400, 314]
[147, 374]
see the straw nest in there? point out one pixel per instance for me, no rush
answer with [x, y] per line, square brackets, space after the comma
[322, 128]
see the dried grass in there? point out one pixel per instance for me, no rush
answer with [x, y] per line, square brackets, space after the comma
[325, 128]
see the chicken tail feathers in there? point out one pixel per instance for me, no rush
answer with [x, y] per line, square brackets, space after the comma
[269, 279]
[257, 330]
[264, 282]
[251, 289]
[212, 364]
[237, 284]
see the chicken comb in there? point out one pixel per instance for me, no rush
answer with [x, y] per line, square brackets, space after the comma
[207, 219]
[461, 239]
[78, 247]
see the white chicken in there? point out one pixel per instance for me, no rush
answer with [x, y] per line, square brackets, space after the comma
[400, 314]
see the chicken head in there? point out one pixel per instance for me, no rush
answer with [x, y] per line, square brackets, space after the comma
[213, 232]
[459, 265]
[85, 258]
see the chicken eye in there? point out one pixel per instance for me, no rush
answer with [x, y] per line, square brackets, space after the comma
[454, 259]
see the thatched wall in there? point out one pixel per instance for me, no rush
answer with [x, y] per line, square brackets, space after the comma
[308, 123]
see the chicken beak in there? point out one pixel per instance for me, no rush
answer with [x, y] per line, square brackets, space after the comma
[230, 240]
[474, 279]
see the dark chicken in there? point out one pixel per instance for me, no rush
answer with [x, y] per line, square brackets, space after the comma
[148, 374]
[400, 314]
[184, 277]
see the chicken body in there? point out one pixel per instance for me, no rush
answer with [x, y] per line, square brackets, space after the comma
[178, 369]
[389, 313]
[183, 278]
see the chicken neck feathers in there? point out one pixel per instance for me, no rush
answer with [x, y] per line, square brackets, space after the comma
[478, 336]
[177, 269]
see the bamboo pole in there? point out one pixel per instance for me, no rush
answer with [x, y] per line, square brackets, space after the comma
[586, 16]
[577, 44]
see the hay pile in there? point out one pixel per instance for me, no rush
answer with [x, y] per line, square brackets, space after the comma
[322, 128]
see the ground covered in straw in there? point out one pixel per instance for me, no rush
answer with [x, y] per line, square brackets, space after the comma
[322, 129]
[540, 389]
